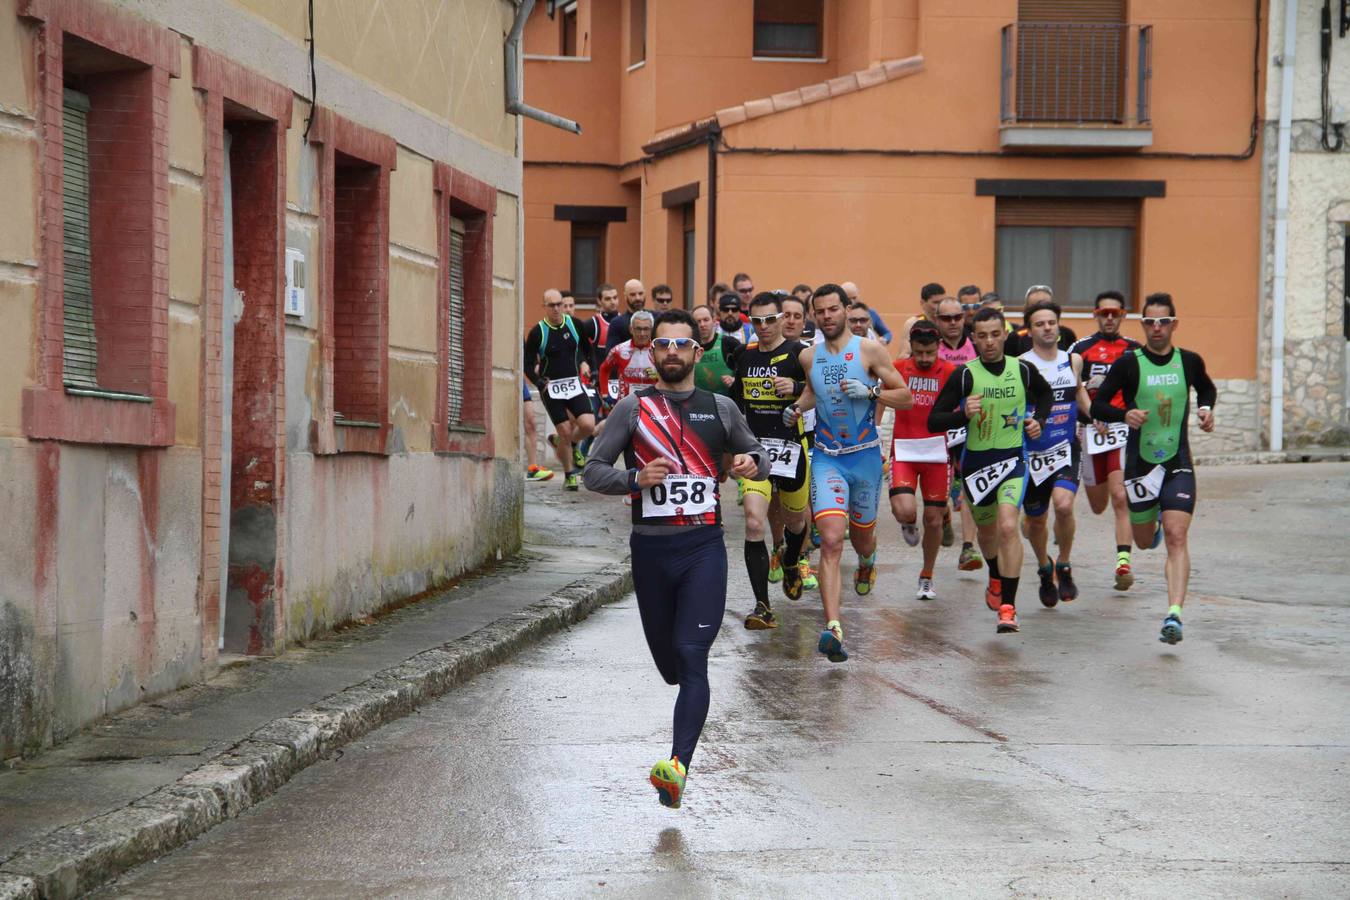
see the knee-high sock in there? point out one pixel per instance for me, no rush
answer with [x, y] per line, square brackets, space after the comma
[757, 565]
[792, 546]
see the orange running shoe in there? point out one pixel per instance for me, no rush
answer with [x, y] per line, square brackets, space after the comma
[1007, 619]
[993, 594]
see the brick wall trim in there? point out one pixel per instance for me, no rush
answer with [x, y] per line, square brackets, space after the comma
[136, 318]
[338, 135]
[475, 202]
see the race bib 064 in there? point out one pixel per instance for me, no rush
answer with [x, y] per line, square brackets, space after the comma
[784, 456]
[1044, 463]
[679, 495]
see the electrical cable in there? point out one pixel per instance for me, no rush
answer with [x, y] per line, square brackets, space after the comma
[313, 76]
[1328, 127]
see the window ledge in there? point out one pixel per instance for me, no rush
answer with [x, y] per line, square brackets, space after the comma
[468, 429]
[637, 65]
[540, 57]
[349, 436]
[791, 59]
[1075, 137]
[91, 416]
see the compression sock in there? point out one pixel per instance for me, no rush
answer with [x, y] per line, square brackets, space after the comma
[757, 566]
[993, 569]
[1010, 590]
[792, 546]
[1122, 553]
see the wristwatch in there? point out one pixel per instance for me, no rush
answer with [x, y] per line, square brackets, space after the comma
[874, 391]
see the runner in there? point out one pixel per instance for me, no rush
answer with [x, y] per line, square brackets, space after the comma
[794, 329]
[1104, 460]
[556, 354]
[998, 400]
[662, 298]
[635, 297]
[768, 378]
[919, 461]
[597, 326]
[629, 365]
[1156, 381]
[860, 321]
[929, 297]
[969, 298]
[1019, 340]
[533, 471]
[1053, 458]
[720, 352]
[673, 438]
[957, 348]
[731, 322]
[847, 376]
[880, 332]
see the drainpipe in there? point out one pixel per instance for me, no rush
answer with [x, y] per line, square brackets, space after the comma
[514, 104]
[713, 135]
[1286, 61]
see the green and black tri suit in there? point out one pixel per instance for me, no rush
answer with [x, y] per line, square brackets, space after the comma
[993, 459]
[1158, 467]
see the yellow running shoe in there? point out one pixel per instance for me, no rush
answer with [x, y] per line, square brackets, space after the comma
[865, 575]
[808, 577]
[668, 778]
[776, 565]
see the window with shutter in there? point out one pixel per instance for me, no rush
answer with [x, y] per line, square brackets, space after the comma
[1078, 247]
[80, 365]
[455, 330]
[789, 28]
[1071, 60]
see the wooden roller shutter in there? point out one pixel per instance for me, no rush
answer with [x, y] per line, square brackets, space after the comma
[1056, 213]
[1071, 60]
[80, 365]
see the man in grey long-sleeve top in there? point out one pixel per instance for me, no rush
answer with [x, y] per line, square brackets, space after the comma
[673, 439]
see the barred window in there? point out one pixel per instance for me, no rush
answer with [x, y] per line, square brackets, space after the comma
[455, 328]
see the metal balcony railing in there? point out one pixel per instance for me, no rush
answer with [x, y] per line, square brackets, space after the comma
[1066, 73]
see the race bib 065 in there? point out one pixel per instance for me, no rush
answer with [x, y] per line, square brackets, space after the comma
[565, 388]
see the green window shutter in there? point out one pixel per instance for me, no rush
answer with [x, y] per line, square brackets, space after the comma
[455, 330]
[81, 348]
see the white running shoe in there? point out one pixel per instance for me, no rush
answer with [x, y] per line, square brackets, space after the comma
[925, 591]
[911, 533]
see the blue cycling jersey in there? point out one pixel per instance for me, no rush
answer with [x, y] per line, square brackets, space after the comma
[1062, 423]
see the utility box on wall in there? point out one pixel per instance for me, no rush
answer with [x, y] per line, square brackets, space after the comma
[295, 282]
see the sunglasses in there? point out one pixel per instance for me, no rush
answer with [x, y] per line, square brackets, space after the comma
[554, 305]
[1109, 313]
[1158, 321]
[749, 290]
[666, 343]
[951, 317]
[968, 307]
[765, 320]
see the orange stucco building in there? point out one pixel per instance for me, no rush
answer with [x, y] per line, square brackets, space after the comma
[1088, 145]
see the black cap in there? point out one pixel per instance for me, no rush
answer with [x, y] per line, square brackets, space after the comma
[729, 301]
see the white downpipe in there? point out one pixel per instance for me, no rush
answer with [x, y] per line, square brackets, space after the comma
[1282, 228]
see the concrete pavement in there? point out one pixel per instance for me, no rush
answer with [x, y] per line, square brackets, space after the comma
[1078, 758]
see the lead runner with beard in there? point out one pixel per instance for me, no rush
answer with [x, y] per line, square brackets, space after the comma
[673, 438]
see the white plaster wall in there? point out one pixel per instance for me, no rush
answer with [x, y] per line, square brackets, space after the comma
[1307, 69]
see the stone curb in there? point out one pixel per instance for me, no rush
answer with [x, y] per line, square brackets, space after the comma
[76, 859]
[1266, 457]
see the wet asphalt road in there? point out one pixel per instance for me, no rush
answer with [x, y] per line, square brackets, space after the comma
[1078, 758]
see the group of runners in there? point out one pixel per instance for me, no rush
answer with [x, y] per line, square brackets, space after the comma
[785, 392]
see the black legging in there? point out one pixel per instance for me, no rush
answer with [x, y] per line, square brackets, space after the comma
[681, 584]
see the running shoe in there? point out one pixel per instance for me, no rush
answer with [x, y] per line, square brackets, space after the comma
[808, 577]
[864, 577]
[832, 643]
[911, 533]
[993, 594]
[740, 491]
[538, 473]
[762, 619]
[578, 458]
[815, 536]
[776, 565]
[1007, 619]
[1068, 591]
[1049, 596]
[948, 536]
[792, 582]
[668, 778]
[1124, 577]
[1171, 630]
[570, 482]
[553, 439]
[970, 560]
[1157, 532]
[925, 591]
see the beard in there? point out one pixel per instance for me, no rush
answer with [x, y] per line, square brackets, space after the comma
[833, 331]
[673, 371]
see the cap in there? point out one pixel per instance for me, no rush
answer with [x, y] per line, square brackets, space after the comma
[729, 301]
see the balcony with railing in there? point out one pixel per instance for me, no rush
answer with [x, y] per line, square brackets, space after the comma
[1076, 85]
